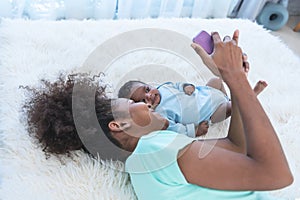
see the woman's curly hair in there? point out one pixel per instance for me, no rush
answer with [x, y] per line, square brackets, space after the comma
[50, 113]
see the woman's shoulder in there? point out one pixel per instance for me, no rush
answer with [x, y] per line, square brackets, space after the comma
[159, 146]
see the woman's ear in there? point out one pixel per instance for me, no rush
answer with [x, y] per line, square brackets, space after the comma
[114, 126]
[118, 126]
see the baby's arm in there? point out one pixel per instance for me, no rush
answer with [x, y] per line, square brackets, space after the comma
[186, 129]
[188, 88]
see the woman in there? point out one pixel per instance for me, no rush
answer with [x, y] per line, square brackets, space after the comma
[168, 165]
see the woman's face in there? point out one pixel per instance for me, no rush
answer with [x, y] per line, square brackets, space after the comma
[142, 119]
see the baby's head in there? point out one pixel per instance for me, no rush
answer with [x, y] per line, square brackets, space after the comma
[140, 92]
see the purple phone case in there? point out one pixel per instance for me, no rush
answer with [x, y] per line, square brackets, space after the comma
[205, 41]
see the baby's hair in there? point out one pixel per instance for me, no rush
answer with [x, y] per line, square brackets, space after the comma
[126, 90]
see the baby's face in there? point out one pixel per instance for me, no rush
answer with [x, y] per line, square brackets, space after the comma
[145, 93]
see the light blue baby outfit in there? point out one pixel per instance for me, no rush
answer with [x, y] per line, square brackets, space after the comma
[184, 112]
[155, 174]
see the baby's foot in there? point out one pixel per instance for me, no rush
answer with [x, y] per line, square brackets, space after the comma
[259, 87]
[245, 64]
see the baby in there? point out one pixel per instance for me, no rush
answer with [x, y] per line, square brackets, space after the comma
[188, 108]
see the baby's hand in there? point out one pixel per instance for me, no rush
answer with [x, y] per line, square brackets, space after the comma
[202, 128]
[189, 89]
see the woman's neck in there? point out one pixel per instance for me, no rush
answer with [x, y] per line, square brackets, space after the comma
[128, 142]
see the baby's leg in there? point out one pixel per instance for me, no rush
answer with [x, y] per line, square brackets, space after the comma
[259, 87]
[216, 83]
[222, 112]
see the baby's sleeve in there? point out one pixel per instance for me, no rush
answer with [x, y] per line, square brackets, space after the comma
[180, 86]
[186, 129]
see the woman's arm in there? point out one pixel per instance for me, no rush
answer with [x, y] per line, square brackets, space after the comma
[264, 167]
[235, 140]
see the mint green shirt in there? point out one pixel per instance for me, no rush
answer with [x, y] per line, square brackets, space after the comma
[155, 174]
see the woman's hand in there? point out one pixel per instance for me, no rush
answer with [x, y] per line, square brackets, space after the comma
[217, 60]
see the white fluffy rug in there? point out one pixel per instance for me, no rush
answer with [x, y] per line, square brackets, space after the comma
[31, 50]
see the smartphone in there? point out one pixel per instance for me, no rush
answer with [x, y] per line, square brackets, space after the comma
[205, 40]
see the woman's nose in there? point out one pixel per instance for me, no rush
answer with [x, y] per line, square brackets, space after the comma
[149, 106]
